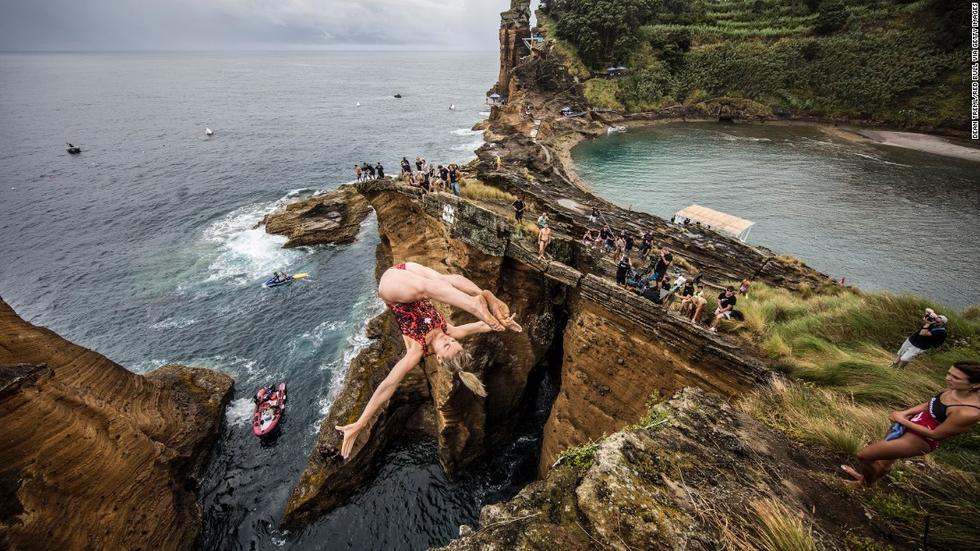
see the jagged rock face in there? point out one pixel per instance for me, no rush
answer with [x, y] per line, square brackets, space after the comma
[464, 425]
[618, 354]
[679, 485]
[328, 481]
[333, 217]
[514, 28]
[98, 457]
[453, 236]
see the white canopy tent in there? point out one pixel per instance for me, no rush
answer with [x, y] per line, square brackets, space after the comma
[718, 221]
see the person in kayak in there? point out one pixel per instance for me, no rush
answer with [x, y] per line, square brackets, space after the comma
[409, 289]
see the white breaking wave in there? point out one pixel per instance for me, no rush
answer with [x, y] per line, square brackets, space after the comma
[246, 253]
[173, 323]
[239, 412]
[472, 146]
[466, 132]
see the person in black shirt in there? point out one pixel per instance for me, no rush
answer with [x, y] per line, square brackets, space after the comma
[726, 305]
[663, 262]
[381, 171]
[931, 334]
[623, 270]
[518, 210]
[406, 167]
[629, 242]
[646, 245]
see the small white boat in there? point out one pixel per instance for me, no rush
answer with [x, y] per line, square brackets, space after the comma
[615, 129]
[208, 132]
[452, 107]
[358, 104]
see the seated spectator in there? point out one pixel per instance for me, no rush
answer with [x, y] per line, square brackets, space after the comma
[698, 302]
[726, 304]
[931, 334]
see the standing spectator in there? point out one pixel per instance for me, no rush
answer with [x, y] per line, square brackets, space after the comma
[620, 246]
[594, 218]
[663, 262]
[369, 170]
[743, 289]
[418, 164]
[406, 167]
[444, 173]
[518, 210]
[645, 245]
[678, 284]
[381, 171]
[931, 334]
[726, 305]
[357, 172]
[497, 162]
[628, 238]
[544, 237]
[623, 270]
[454, 178]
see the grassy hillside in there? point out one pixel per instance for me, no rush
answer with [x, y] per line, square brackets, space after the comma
[836, 347]
[900, 62]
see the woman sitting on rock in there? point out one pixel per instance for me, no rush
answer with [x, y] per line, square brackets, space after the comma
[918, 430]
[409, 289]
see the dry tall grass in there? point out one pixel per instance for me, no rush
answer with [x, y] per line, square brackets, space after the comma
[472, 189]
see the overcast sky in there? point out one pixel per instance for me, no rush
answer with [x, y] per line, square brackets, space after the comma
[248, 24]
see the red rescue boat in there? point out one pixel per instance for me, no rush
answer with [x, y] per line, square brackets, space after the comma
[269, 407]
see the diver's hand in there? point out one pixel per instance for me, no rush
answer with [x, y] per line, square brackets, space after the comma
[350, 436]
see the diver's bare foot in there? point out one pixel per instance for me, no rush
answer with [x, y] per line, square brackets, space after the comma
[483, 312]
[498, 308]
[858, 478]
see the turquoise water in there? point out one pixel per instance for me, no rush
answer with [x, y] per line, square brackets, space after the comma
[144, 247]
[883, 218]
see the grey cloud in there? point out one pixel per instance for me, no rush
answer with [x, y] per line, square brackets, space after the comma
[233, 24]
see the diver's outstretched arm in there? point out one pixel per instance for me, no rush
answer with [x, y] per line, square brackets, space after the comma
[381, 395]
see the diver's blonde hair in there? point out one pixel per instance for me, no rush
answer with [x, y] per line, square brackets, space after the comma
[459, 364]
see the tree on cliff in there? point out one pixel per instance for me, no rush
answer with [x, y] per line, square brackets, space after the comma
[605, 31]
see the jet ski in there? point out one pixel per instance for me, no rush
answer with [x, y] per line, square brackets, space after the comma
[269, 408]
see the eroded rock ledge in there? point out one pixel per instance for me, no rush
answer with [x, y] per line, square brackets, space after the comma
[689, 481]
[333, 217]
[98, 457]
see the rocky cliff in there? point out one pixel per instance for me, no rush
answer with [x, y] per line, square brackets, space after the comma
[694, 474]
[324, 218]
[98, 457]
[611, 348]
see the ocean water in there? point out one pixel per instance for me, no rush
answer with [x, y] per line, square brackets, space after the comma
[145, 246]
[881, 217]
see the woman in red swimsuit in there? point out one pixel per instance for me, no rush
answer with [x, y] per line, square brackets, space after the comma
[953, 411]
[408, 290]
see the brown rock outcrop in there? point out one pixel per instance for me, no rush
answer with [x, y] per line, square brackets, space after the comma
[686, 480]
[333, 217]
[98, 457]
[619, 348]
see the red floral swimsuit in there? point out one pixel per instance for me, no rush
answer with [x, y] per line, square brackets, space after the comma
[417, 319]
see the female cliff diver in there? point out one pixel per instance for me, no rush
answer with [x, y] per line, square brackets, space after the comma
[918, 430]
[408, 290]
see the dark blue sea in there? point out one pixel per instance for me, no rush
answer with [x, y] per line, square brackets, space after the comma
[145, 247]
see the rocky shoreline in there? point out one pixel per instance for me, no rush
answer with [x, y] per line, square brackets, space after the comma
[100, 457]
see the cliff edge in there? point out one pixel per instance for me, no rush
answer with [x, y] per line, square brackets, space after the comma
[98, 457]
